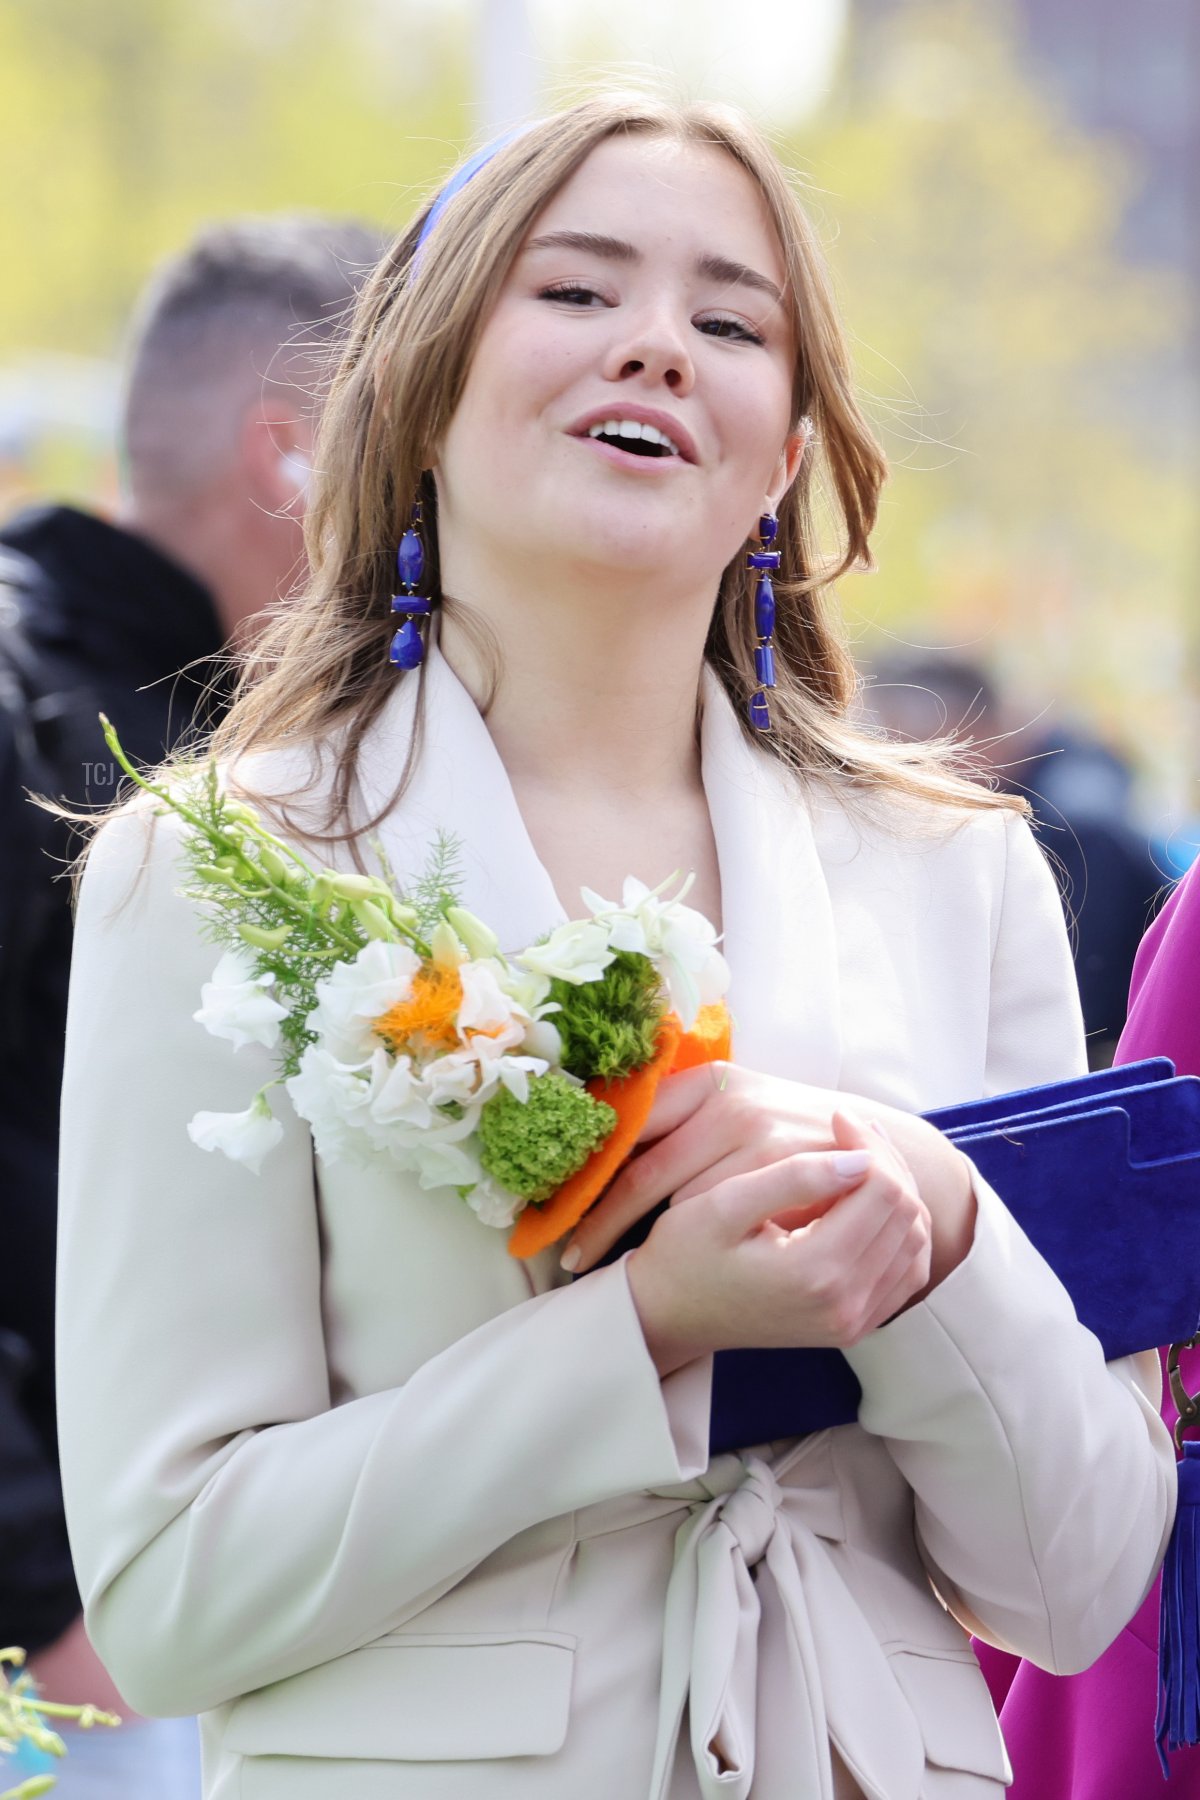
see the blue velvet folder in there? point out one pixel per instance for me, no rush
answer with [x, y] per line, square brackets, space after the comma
[1102, 1173]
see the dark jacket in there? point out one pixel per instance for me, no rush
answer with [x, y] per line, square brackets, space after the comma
[91, 619]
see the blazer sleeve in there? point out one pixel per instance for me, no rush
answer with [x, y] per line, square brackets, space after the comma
[230, 1524]
[1035, 1022]
[1044, 1479]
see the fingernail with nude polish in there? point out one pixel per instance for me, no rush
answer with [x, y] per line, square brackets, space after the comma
[571, 1258]
[850, 1162]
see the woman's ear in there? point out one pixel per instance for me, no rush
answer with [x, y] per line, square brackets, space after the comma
[791, 458]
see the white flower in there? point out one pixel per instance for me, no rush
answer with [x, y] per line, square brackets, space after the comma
[681, 942]
[514, 1072]
[577, 952]
[495, 1064]
[480, 939]
[692, 969]
[529, 994]
[485, 1006]
[402, 1099]
[441, 1162]
[542, 1040]
[244, 1137]
[336, 1097]
[234, 1004]
[494, 1205]
[446, 950]
[489, 1009]
[354, 994]
[529, 991]
[453, 1077]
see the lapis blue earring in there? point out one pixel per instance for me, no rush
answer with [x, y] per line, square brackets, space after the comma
[408, 646]
[762, 561]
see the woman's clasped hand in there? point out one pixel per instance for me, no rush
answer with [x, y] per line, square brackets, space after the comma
[796, 1218]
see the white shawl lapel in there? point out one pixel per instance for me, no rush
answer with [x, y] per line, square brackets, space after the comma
[779, 934]
[778, 924]
[459, 786]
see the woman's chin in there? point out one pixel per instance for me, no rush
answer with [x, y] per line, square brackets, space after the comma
[630, 561]
[628, 540]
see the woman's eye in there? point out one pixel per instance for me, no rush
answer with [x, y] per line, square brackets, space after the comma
[735, 329]
[573, 292]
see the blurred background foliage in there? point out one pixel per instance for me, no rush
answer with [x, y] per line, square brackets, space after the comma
[1029, 361]
[1025, 373]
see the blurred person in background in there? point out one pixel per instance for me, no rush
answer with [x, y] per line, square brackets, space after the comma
[1081, 793]
[1091, 1736]
[132, 617]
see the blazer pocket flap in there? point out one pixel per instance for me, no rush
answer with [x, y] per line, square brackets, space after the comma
[953, 1708]
[410, 1698]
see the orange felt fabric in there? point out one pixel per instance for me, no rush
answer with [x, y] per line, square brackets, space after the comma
[631, 1100]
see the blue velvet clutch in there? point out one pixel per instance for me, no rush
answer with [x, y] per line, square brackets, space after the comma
[1102, 1173]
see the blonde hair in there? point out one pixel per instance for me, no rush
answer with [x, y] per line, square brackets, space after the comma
[321, 665]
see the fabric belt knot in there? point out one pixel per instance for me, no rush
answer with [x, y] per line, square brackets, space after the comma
[766, 1649]
[750, 1511]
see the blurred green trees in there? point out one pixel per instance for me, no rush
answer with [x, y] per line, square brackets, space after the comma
[126, 124]
[1025, 378]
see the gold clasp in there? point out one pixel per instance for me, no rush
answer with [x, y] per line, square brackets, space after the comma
[1187, 1405]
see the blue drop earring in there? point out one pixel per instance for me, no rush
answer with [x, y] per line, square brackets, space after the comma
[408, 646]
[763, 561]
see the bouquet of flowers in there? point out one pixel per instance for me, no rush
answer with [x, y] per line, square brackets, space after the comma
[22, 1724]
[518, 1081]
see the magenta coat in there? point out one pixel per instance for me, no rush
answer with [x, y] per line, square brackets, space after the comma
[1091, 1736]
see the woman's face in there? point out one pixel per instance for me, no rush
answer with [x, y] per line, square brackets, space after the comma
[647, 298]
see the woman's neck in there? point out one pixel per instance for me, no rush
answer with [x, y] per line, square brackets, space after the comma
[597, 681]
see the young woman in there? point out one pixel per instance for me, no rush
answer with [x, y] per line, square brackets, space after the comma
[401, 1515]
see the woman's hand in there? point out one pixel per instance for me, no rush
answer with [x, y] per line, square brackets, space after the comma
[712, 1128]
[70, 1673]
[717, 1121]
[817, 1248]
[706, 1125]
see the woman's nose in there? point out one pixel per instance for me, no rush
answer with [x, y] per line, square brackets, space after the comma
[656, 349]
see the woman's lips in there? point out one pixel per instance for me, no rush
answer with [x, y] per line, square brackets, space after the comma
[618, 412]
[630, 460]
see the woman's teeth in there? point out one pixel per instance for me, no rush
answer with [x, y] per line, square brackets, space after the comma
[631, 434]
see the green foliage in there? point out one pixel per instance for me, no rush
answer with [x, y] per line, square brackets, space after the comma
[225, 873]
[127, 125]
[256, 894]
[1016, 363]
[532, 1147]
[438, 885]
[23, 1716]
[609, 1027]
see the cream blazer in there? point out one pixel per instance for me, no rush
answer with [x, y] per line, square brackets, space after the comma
[406, 1519]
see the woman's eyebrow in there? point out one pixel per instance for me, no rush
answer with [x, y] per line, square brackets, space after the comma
[713, 267]
[723, 268]
[593, 242]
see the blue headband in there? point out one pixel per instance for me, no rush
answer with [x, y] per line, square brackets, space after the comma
[455, 185]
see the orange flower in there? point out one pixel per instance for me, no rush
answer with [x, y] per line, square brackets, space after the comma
[430, 1014]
